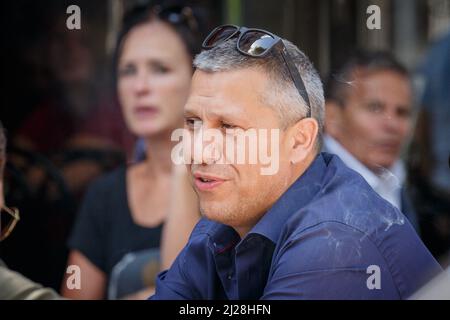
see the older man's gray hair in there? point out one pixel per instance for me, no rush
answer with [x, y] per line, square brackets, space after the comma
[281, 93]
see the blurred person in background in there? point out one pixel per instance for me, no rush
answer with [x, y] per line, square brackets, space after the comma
[368, 121]
[12, 284]
[76, 112]
[59, 145]
[73, 98]
[117, 234]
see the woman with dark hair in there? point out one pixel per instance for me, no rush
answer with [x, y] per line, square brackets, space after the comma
[122, 214]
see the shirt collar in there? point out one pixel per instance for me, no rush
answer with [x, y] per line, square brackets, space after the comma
[298, 195]
[394, 175]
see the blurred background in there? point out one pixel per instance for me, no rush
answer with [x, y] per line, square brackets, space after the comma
[65, 128]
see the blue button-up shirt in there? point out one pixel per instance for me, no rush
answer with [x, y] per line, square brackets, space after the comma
[329, 236]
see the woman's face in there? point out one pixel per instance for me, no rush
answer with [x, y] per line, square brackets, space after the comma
[154, 76]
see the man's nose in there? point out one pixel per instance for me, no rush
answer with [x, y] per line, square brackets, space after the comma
[206, 150]
[394, 122]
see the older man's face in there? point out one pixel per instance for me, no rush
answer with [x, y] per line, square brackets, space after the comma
[234, 194]
[376, 118]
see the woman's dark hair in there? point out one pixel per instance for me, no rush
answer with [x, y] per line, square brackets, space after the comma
[183, 19]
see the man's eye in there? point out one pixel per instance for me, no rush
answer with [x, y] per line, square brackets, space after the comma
[404, 113]
[193, 123]
[375, 107]
[228, 126]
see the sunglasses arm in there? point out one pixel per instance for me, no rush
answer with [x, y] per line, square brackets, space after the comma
[293, 71]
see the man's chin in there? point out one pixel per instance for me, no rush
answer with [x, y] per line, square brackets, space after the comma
[214, 211]
[382, 163]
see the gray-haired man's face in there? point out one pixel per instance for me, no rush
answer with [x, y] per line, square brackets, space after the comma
[235, 194]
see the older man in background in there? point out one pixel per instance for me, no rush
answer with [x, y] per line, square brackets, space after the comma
[368, 120]
[12, 284]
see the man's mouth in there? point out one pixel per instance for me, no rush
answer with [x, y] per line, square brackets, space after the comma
[206, 182]
[389, 146]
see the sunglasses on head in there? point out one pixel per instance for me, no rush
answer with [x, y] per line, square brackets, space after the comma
[257, 43]
[177, 15]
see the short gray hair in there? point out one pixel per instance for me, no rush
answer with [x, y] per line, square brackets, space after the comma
[283, 95]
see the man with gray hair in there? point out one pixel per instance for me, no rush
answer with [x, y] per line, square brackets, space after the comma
[312, 230]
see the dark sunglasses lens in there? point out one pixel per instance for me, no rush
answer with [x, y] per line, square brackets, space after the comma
[219, 35]
[256, 43]
[173, 15]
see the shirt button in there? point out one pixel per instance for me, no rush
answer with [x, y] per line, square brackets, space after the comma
[229, 277]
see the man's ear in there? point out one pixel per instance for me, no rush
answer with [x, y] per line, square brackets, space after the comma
[333, 118]
[303, 135]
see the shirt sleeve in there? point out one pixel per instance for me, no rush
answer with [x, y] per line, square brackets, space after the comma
[172, 284]
[189, 272]
[175, 284]
[17, 287]
[330, 261]
[89, 232]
